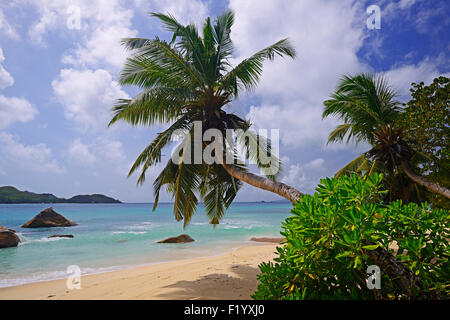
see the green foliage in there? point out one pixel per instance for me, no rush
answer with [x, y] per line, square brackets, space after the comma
[427, 125]
[329, 235]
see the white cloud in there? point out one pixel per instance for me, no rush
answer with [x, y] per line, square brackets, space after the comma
[298, 123]
[102, 24]
[315, 164]
[400, 77]
[15, 109]
[104, 150]
[100, 44]
[48, 18]
[101, 48]
[185, 11]
[6, 79]
[37, 158]
[302, 176]
[87, 96]
[295, 176]
[327, 36]
[406, 4]
[12, 109]
[80, 153]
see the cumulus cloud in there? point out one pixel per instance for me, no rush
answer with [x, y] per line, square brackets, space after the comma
[80, 153]
[87, 96]
[35, 158]
[100, 45]
[315, 164]
[327, 39]
[186, 11]
[104, 150]
[101, 25]
[14, 109]
[401, 76]
[327, 36]
[302, 176]
[100, 20]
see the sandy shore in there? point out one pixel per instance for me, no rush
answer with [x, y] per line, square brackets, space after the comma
[228, 276]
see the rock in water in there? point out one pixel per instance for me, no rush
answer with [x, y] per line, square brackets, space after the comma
[8, 238]
[61, 236]
[182, 238]
[48, 218]
[6, 229]
[272, 240]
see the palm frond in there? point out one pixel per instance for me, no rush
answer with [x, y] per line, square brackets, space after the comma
[247, 73]
[218, 192]
[365, 102]
[185, 201]
[352, 165]
[338, 134]
[153, 105]
[152, 153]
[222, 30]
[190, 43]
[182, 181]
[146, 73]
[168, 57]
[166, 177]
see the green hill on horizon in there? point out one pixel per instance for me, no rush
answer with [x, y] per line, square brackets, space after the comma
[9, 194]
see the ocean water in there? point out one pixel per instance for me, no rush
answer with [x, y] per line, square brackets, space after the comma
[115, 236]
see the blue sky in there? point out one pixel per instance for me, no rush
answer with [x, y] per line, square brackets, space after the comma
[57, 83]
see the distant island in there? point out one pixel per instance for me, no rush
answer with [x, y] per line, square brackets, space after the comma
[10, 194]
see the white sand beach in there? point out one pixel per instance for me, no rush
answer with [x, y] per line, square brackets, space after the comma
[228, 276]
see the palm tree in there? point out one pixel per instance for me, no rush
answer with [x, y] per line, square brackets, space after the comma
[370, 113]
[187, 80]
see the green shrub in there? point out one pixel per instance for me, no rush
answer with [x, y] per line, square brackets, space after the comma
[330, 237]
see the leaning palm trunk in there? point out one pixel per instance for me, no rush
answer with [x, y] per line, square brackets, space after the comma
[424, 182]
[288, 192]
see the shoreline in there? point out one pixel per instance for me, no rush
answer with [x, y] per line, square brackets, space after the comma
[62, 274]
[193, 278]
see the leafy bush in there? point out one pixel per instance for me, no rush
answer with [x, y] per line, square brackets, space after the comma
[332, 236]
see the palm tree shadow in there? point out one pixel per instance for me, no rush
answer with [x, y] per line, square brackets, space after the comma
[217, 286]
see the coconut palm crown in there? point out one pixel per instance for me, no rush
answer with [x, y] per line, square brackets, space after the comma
[367, 106]
[191, 79]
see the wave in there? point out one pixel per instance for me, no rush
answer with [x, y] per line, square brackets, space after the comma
[129, 232]
[247, 226]
[52, 275]
[24, 240]
[139, 228]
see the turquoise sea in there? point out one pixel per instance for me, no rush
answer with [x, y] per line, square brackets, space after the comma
[114, 236]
